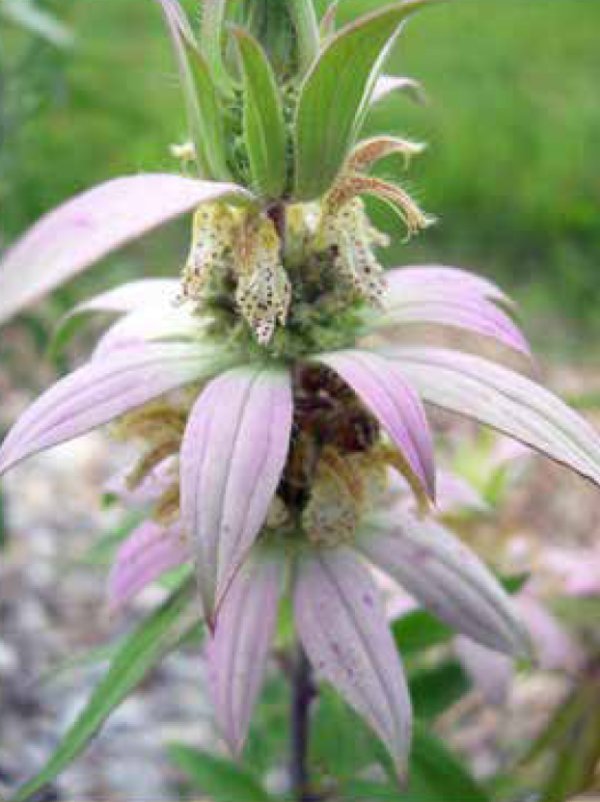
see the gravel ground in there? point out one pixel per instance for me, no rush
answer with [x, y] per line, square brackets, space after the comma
[52, 607]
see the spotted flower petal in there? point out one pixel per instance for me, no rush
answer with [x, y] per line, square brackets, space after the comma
[446, 577]
[499, 397]
[102, 390]
[146, 554]
[234, 449]
[239, 648]
[383, 390]
[343, 628]
[83, 230]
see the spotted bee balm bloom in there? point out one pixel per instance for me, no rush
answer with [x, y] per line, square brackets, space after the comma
[276, 390]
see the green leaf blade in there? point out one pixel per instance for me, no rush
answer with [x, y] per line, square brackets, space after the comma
[139, 653]
[336, 93]
[264, 128]
[201, 99]
[220, 779]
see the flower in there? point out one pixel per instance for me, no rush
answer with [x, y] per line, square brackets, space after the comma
[277, 390]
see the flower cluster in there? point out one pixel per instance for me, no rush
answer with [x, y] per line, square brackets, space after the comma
[276, 391]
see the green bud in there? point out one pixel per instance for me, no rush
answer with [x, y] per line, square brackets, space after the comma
[286, 29]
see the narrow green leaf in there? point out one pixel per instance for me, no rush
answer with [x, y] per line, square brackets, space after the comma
[307, 31]
[218, 778]
[578, 750]
[212, 16]
[335, 95]
[136, 657]
[205, 116]
[211, 114]
[264, 128]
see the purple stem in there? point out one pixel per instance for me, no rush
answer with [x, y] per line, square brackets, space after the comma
[277, 213]
[303, 692]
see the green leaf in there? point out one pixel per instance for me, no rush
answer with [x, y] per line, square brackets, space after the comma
[264, 128]
[434, 690]
[435, 775]
[419, 630]
[335, 96]
[360, 790]
[340, 743]
[307, 31]
[211, 114]
[575, 774]
[573, 730]
[205, 116]
[267, 742]
[139, 653]
[220, 779]
[514, 583]
[438, 774]
[212, 18]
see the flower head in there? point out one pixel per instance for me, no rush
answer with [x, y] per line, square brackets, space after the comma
[276, 392]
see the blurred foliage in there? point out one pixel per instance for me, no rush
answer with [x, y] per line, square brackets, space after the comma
[512, 123]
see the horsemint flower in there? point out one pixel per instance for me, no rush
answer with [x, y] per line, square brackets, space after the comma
[276, 391]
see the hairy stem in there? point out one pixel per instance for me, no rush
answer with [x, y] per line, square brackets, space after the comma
[303, 692]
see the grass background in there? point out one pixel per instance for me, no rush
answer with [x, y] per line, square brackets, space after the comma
[513, 124]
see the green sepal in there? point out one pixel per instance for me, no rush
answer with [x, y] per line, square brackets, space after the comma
[137, 655]
[335, 96]
[212, 30]
[204, 112]
[264, 127]
[307, 32]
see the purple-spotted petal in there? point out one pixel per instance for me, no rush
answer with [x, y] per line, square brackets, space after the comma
[383, 390]
[148, 552]
[452, 307]
[83, 230]
[390, 85]
[239, 648]
[426, 279]
[343, 628]
[234, 450]
[492, 394]
[100, 391]
[445, 577]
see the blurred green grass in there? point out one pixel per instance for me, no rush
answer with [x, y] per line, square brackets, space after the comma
[513, 125]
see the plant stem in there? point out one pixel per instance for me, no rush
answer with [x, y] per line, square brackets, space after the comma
[303, 692]
[277, 213]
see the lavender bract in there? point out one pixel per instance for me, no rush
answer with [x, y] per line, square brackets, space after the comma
[276, 391]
